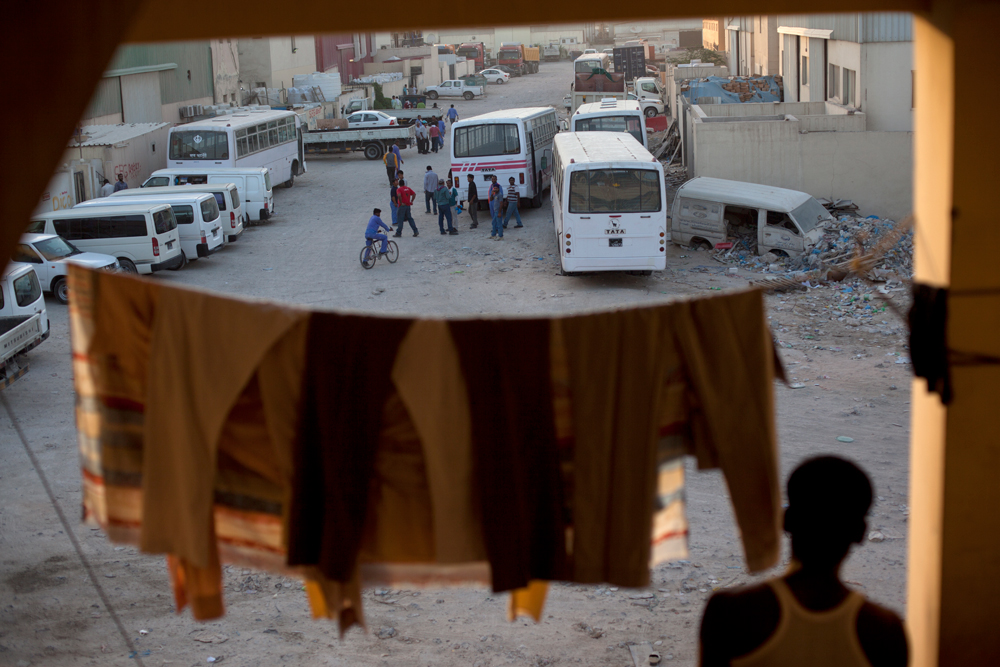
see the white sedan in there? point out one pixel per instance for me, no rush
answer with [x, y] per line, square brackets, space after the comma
[49, 254]
[495, 76]
[370, 119]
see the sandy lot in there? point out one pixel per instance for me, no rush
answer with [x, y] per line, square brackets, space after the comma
[852, 386]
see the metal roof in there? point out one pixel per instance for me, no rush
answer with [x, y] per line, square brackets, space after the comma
[600, 147]
[602, 108]
[743, 194]
[109, 135]
[180, 197]
[507, 114]
[84, 211]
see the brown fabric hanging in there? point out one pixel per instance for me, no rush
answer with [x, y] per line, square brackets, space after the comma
[514, 458]
[347, 382]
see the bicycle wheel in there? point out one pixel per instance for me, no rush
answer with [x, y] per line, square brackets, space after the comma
[368, 257]
[393, 253]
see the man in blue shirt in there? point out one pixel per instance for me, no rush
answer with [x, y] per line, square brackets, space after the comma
[442, 130]
[452, 114]
[372, 233]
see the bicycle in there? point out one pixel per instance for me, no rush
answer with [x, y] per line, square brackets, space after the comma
[370, 253]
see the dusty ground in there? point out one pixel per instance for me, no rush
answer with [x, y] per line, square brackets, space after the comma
[50, 613]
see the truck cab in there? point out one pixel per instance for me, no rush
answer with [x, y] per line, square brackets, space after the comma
[650, 95]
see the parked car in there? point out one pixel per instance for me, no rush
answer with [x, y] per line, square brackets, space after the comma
[370, 119]
[455, 88]
[510, 71]
[49, 255]
[497, 76]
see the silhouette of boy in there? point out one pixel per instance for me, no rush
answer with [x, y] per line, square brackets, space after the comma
[808, 617]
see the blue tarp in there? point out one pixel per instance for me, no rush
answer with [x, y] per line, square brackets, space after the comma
[712, 87]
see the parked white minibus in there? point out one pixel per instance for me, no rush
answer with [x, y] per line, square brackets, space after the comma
[199, 222]
[226, 196]
[611, 115]
[252, 183]
[609, 205]
[143, 238]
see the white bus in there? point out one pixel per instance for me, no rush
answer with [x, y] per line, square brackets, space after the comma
[611, 116]
[588, 62]
[250, 138]
[609, 205]
[513, 142]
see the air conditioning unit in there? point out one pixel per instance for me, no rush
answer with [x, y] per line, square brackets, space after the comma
[198, 109]
[186, 111]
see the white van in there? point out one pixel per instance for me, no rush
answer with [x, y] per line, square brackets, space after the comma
[226, 196]
[609, 206]
[611, 115]
[143, 238]
[707, 211]
[253, 184]
[21, 294]
[50, 256]
[199, 222]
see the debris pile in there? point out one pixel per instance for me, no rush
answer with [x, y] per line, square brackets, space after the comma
[734, 89]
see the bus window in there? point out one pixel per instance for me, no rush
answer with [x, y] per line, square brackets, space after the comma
[614, 191]
[199, 145]
[481, 140]
[624, 123]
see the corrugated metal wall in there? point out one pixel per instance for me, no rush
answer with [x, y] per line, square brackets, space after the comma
[107, 99]
[874, 26]
[195, 57]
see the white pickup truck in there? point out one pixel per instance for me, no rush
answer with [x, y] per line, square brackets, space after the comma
[24, 323]
[454, 88]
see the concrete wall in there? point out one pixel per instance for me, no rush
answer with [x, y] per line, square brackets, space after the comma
[408, 52]
[675, 75]
[285, 64]
[766, 45]
[169, 112]
[255, 61]
[110, 119]
[763, 109]
[845, 54]
[225, 70]
[840, 123]
[872, 168]
[886, 85]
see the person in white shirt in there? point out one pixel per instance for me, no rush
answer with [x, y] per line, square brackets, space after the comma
[107, 189]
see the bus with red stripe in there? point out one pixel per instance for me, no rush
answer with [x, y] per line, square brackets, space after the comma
[510, 143]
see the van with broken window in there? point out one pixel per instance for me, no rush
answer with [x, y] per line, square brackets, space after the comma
[707, 211]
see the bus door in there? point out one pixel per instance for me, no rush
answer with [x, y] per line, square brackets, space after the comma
[302, 159]
[534, 169]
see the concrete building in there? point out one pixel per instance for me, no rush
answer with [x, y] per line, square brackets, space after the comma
[147, 83]
[664, 35]
[346, 53]
[97, 152]
[225, 71]
[713, 34]
[538, 35]
[271, 62]
[822, 148]
[863, 61]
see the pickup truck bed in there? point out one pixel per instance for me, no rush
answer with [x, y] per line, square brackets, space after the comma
[373, 141]
[17, 336]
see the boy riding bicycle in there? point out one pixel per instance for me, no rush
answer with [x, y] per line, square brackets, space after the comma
[372, 233]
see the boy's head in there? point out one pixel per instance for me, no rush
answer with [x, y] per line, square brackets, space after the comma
[377, 212]
[402, 182]
[471, 178]
[511, 180]
[828, 499]
[428, 167]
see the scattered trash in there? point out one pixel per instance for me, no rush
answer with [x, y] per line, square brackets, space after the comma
[143, 632]
[876, 536]
[844, 438]
[206, 638]
[796, 385]
[386, 632]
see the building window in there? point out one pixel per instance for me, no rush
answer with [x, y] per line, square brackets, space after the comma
[849, 98]
[833, 81]
[225, 98]
[805, 71]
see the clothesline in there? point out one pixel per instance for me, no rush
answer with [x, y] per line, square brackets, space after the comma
[443, 459]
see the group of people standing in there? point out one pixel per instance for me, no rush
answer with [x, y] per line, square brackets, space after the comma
[430, 135]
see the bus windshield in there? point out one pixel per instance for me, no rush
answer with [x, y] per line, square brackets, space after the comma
[614, 191]
[482, 140]
[623, 123]
[199, 145]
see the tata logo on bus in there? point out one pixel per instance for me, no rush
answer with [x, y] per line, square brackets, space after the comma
[615, 232]
[488, 169]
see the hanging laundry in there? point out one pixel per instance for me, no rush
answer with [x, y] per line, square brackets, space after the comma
[591, 471]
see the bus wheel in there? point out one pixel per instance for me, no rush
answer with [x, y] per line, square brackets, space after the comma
[373, 151]
[291, 180]
[536, 201]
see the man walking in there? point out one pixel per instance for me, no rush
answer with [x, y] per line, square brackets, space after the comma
[392, 163]
[494, 196]
[107, 189]
[421, 132]
[430, 185]
[405, 196]
[443, 197]
[513, 198]
[442, 131]
[453, 114]
[435, 135]
[394, 199]
[121, 184]
[472, 201]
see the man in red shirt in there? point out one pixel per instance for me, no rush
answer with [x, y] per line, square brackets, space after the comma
[406, 195]
[435, 136]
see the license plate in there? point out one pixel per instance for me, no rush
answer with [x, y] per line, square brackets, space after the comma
[170, 245]
[614, 243]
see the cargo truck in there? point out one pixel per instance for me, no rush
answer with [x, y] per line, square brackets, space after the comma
[372, 141]
[511, 54]
[532, 54]
[589, 88]
[551, 53]
[474, 51]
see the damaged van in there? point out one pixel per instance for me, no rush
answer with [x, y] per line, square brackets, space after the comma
[707, 211]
